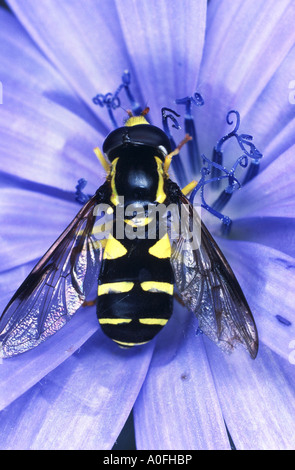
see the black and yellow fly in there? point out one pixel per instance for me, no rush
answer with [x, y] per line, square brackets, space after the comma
[138, 277]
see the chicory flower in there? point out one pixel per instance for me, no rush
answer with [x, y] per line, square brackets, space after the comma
[76, 390]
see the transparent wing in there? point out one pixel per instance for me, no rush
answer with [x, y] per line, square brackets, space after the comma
[208, 286]
[56, 287]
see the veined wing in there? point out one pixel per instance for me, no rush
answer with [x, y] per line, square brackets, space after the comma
[56, 287]
[208, 286]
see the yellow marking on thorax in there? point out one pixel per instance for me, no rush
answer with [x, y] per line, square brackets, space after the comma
[115, 287]
[114, 321]
[135, 120]
[114, 249]
[161, 249]
[160, 196]
[114, 197]
[153, 286]
[153, 321]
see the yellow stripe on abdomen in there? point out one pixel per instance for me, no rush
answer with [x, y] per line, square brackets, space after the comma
[114, 287]
[114, 321]
[153, 286]
[128, 345]
[153, 321]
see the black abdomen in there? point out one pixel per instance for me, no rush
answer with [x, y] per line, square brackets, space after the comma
[135, 291]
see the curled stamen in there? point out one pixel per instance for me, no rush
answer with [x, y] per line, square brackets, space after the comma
[212, 172]
[189, 125]
[233, 184]
[217, 151]
[112, 101]
[244, 142]
[165, 118]
[232, 133]
[238, 120]
[197, 99]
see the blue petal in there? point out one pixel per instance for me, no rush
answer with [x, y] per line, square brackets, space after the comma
[82, 404]
[31, 223]
[246, 43]
[178, 406]
[106, 39]
[256, 398]
[87, 47]
[276, 232]
[20, 373]
[29, 68]
[165, 44]
[271, 193]
[42, 141]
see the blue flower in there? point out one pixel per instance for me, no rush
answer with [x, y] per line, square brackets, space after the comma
[76, 390]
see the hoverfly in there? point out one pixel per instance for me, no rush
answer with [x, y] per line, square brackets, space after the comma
[137, 276]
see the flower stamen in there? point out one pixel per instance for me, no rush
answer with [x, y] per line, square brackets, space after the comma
[112, 101]
[219, 172]
[244, 142]
[212, 172]
[80, 196]
[233, 184]
[189, 126]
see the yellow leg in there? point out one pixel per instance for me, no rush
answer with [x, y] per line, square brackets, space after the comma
[102, 159]
[168, 157]
[189, 187]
